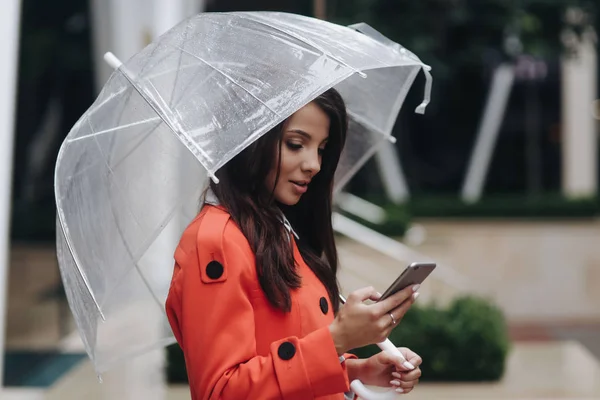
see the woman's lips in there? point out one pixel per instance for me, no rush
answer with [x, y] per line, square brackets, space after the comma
[299, 188]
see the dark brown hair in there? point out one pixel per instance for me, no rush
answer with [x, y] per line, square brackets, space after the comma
[241, 190]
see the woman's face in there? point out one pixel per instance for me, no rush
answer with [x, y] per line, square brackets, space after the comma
[304, 138]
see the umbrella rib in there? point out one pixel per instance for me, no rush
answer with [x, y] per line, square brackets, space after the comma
[169, 121]
[99, 133]
[112, 96]
[414, 60]
[177, 76]
[358, 165]
[179, 100]
[308, 42]
[366, 123]
[77, 263]
[229, 78]
[116, 165]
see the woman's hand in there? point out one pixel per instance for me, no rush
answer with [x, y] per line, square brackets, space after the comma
[358, 324]
[385, 370]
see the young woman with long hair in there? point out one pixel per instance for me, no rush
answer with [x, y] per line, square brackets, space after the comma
[254, 299]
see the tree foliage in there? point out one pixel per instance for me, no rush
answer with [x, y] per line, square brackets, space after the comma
[470, 26]
[464, 41]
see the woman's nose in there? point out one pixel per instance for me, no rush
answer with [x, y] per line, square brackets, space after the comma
[312, 163]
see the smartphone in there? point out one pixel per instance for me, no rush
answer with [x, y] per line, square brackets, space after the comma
[414, 274]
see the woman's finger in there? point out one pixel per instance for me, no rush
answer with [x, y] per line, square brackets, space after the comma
[395, 300]
[403, 308]
[375, 296]
[411, 356]
[413, 375]
[360, 295]
[408, 385]
[400, 389]
[393, 361]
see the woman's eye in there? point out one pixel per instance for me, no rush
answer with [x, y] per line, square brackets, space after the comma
[321, 151]
[293, 146]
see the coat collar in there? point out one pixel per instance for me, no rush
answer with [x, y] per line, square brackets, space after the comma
[211, 198]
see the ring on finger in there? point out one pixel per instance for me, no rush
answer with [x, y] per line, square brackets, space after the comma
[393, 319]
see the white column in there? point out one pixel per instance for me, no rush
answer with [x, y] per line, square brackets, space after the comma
[487, 135]
[165, 15]
[10, 19]
[121, 27]
[101, 28]
[125, 27]
[579, 153]
[391, 173]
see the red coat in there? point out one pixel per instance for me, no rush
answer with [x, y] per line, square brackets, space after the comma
[236, 344]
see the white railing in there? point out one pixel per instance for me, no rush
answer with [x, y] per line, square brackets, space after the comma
[386, 245]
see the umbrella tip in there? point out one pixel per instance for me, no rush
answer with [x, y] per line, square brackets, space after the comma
[213, 178]
[421, 108]
[112, 60]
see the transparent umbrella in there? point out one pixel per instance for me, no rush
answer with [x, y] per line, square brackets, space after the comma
[130, 172]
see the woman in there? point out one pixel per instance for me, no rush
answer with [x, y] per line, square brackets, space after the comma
[254, 302]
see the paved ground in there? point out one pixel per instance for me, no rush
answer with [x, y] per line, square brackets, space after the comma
[588, 334]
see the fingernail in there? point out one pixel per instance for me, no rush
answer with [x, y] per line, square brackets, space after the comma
[396, 375]
[415, 296]
[395, 383]
[400, 390]
[416, 287]
[408, 365]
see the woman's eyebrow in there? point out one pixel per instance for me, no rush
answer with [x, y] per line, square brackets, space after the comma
[301, 132]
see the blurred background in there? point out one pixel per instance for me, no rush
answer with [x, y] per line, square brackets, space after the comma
[497, 183]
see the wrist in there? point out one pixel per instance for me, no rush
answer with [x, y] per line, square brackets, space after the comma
[354, 368]
[337, 338]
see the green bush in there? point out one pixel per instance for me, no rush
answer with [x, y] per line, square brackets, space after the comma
[397, 221]
[466, 342]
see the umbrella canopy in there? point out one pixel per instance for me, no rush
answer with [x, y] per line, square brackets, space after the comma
[129, 174]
